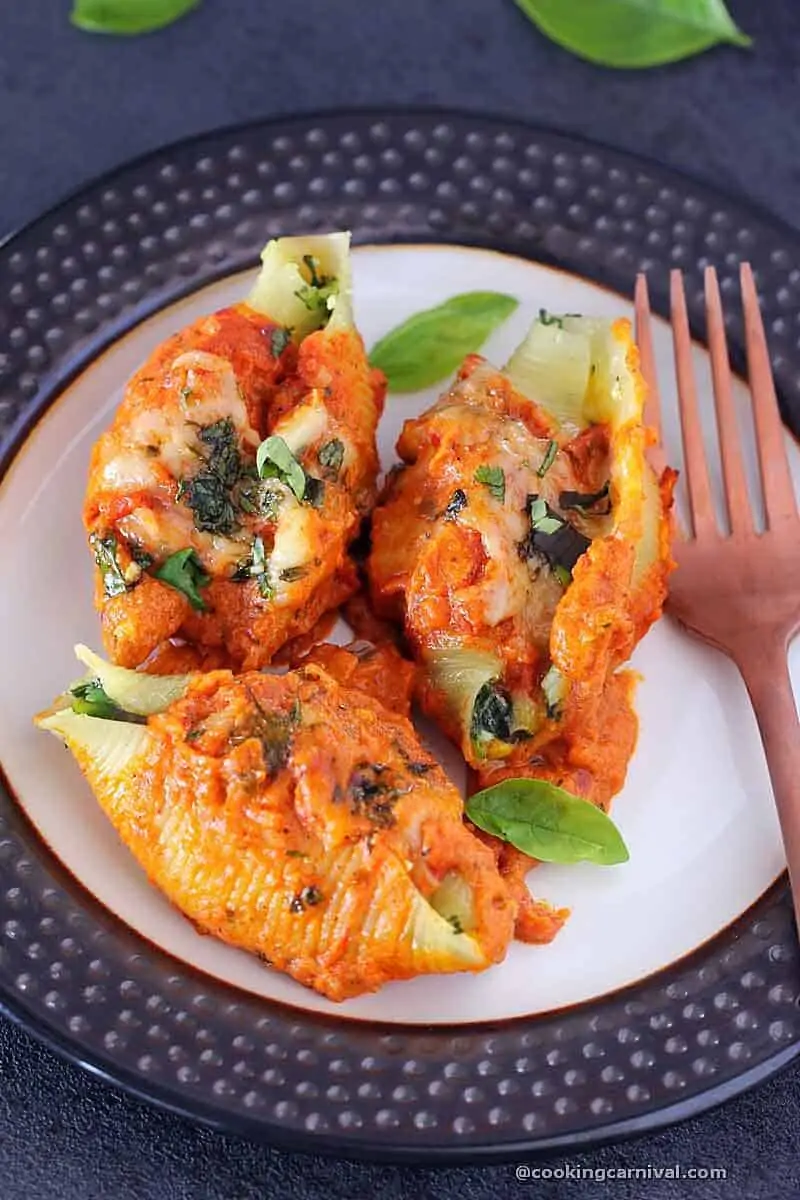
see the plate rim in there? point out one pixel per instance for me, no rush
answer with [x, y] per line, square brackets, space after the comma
[217, 1116]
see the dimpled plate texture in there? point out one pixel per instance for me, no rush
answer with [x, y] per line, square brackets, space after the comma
[88, 271]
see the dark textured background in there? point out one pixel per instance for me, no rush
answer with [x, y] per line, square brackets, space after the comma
[71, 106]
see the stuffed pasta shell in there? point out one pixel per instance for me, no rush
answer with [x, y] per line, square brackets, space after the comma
[237, 469]
[342, 860]
[524, 545]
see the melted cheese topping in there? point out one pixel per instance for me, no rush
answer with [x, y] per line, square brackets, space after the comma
[297, 532]
[510, 587]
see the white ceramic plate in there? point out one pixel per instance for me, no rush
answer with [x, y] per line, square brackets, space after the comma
[696, 810]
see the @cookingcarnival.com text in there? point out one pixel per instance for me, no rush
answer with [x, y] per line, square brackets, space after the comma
[570, 1171]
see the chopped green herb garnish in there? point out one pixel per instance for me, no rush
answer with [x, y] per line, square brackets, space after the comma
[257, 569]
[295, 854]
[141, 557]
[549, 458]
[457, 501]
[292, 574]
[316, 279]
[318, 293]
[105, 555]
[455, 921]
[331, 457]
[373, 792]
[274, 458]
[308, 898]
[543, 519]
[551, 537]
[211, 493]
[194, 734]
[587, 500]
[184, 572]
[546, 318]
[494, 479]
[273, 729]
[563, 576]
[279, 339]
[91, 698]
[315, 492]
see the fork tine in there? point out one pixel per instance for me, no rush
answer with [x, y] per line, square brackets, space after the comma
[694, 457]
[644, 340]
[776, 479]
[736, 496]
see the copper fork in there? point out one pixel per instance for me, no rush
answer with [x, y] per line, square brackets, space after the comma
[738, 591]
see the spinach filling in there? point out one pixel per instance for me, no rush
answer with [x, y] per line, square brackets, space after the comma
[492, 715]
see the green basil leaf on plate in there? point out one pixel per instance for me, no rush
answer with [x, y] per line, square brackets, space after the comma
[634, 33]
[431, 344]
[547, 822]
[128, 16]
[184, 572]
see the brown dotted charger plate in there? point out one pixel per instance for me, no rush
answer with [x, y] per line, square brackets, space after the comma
[91, 270]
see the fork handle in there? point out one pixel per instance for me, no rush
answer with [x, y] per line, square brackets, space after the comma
[765, 670]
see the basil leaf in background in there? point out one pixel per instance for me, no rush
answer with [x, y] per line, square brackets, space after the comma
[274, 457]
[128, 16]
[547, 822]
[430, 345]
[634, 33]
[184, 572]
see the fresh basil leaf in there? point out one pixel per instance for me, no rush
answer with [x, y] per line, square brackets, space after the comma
[634, 33]
[494, 480]
[184, 572]
[128, 16]
[274, 457]
[547, 822]
[430, 345]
